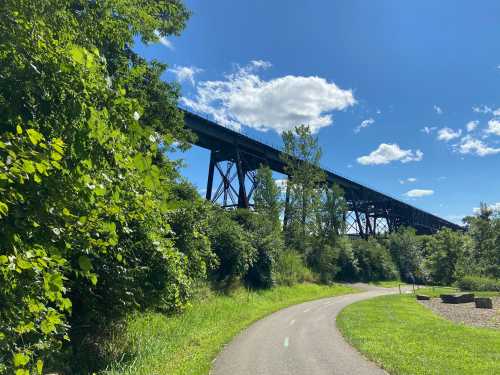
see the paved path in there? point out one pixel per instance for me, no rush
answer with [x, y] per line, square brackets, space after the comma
[299, 340]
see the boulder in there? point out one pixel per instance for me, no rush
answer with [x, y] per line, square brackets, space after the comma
[421, 297]
[483, 303]
[457, 298]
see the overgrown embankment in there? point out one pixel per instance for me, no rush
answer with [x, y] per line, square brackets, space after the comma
[187, 343]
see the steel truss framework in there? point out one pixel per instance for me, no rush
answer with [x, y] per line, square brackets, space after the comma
[234, 159]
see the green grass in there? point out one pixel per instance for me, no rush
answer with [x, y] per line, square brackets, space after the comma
[388, 283]
[438, 290]
[187, 343]
[405, 337]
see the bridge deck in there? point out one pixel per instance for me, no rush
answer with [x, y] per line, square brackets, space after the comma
[226, 144]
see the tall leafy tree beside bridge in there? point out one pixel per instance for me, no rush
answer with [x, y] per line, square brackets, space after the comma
[302, 155]
[267, 196]
[85, 189]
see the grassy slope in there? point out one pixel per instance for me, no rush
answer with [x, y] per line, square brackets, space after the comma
[407, 338]
[187, 343]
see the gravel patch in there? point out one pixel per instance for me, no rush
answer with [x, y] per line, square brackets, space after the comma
[467, 313]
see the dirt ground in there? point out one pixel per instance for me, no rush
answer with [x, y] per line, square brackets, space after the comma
[467, 313]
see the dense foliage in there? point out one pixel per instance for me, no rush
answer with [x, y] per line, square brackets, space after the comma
[86, 194]
[95, 220]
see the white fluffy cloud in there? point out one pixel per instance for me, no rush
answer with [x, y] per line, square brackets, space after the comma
[471, 145]
[484, 109]
[428, 130]
[185, 73]
[418, 193]
[438, 110]
[364, 124]
[447, 134]
[407, 180]
[471, 125]
[244, 98]
[493, 127]
[386, 153]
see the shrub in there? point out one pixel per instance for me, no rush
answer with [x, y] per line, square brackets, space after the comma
[407, 253]
[266, 238]
[85, 186]
[373, 260]
[323, 260]
[347, 262]
[232, 245]
[290, 269]
[446, 251]
[479, 283]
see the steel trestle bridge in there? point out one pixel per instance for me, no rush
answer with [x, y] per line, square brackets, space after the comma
[235, 158]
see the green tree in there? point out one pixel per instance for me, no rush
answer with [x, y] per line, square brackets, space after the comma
[267, 196]
[407, 253]
[302, 154]
[446, 250]
[233, 246]
[484, 228]
[326, 252]
[374, 260]
[85, 187]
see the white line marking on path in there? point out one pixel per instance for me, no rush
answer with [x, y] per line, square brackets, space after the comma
[307, 310]
[292, 322]
[286, 342]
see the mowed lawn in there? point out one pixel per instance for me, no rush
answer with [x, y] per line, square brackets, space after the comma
[405, 337]
[187, 343]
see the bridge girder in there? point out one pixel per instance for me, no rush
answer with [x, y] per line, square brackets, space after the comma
[235, 157]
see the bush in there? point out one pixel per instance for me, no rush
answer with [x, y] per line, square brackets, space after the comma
[479, 283]
[323, 259]
[232, 245]
[266, 238]
[446, 252]
[407, 253]
[290, 269]
[85, 186]
[373, 260]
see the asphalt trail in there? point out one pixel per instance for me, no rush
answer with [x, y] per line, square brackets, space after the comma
[298, 340]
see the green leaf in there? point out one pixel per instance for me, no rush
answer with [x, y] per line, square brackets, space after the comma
[24, 265]
[19, 129]
[39, 367]
[3, 259]
[55, 156]
[34, 136]
[84, 263]
[99, 191]
[22, 372]
[28, 166]
[78, 54]
[20, 359]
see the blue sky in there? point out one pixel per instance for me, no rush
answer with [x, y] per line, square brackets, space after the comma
[403, 95]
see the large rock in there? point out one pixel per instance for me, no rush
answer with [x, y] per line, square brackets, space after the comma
[483, 303]
[422, 297]
[457, 298]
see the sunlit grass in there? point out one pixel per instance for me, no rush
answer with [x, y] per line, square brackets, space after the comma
[188, 343]
[438, 290]
[405, 337]
[388, 283]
